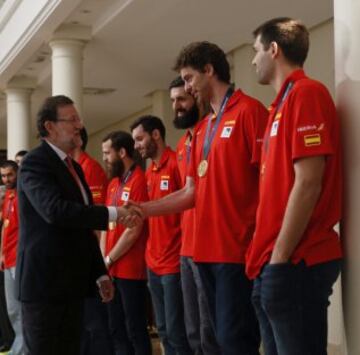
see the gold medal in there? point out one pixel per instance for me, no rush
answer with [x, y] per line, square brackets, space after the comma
[112, 225]
[202, 168]
[6, 222]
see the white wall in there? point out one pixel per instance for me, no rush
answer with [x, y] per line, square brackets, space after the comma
[95, 139]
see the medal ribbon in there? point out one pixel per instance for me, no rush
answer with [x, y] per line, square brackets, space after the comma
[120, 188]
[188, 148]
[277, 109]
[210, 133]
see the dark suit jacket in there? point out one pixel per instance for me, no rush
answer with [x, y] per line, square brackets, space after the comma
[58, 255]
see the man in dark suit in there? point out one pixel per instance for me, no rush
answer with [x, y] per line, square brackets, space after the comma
[59, 261]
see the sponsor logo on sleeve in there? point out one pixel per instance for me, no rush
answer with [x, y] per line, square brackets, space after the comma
[310, 128]
[306, 128]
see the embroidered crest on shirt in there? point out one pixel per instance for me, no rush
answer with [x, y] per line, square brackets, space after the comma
[274, 128]
[125, 194]
[226, 132]
[164, 183]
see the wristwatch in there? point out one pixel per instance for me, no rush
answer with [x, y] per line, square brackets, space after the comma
[108, 260]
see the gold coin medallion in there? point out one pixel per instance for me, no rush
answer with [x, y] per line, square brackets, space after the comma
[202, 168]
[6, 223]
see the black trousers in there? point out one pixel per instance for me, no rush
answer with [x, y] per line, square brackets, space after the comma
[96, 339]
[52, 328]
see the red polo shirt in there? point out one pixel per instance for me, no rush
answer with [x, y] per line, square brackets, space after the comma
[95, 178]
[183, 152]
[163, 247]
[306, 125]
[10, 228]
[132, 264]
[226, 197]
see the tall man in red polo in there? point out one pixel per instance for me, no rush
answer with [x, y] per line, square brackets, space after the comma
[163, 247]
[198, 326]
[295, 253]
[9, 242]
[222, 184]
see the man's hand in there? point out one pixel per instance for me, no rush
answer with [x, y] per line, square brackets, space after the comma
[130, 208]
[278, 259]
[134, 208]
[131, 214]
[106, 290]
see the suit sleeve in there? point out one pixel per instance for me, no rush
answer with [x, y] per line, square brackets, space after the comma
[43, 183]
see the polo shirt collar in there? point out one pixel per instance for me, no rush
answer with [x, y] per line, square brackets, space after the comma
[10, 194]
[293, 77]
[234, 99]
[83, 156]
[164, 158]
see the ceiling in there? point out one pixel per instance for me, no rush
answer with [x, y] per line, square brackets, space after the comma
[135, 42]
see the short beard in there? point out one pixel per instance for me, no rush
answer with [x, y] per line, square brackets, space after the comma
[11, 186]
[188, 120]
[151, 149]
[117, 169]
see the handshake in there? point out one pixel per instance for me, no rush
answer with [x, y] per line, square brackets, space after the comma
[131, 214]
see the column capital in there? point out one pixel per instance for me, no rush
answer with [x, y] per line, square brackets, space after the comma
[22, 83]
[73, 33]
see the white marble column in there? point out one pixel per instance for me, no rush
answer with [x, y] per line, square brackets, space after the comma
[18, 93]
[67, 62]
[347, 81]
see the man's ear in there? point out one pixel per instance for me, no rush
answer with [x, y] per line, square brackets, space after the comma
[122, 153]
[155, 134]
[209, 69]
[274, 49]
[49, 125]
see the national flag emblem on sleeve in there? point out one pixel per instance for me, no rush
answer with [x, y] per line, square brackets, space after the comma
[312, 139]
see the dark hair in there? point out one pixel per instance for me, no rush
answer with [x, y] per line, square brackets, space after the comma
[48, 111]
[149, 124]
[21, 153]
[9, 164]
[198, 54]
[84, 138]
[177, 83]
[121, 139]
[291, 36]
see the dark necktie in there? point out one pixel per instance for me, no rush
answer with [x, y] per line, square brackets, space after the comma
[73, 172]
